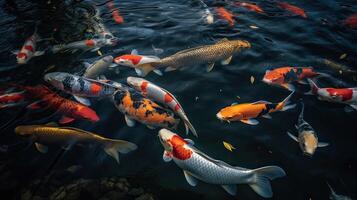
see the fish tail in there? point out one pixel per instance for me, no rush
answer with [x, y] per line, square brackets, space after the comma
[144, 69]
[262, 177]
[190, 127]
[284, 105]
[313, 86]
[112, 147]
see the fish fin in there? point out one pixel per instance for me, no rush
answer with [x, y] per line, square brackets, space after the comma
[103, 78]
[292, 136]
[322, 144]
[15, 52]
[157, 50]
[288, 86]
[262, 177]
[354, 106]
[35, 105]
[166, 156]
[112, 147]
[304, 82]
[226, 61]
[261, 102]
[189, 141]
[234, 103]
[158, 72]
[145, 69]
[39, 53]
[41, 148]
[52, 124]
[86, 64]
[313, 86]
[130, 122]
[134, 52]
[65, 120]
[210, 67]
[169, 69]
[82, 100]
[190, 49]
[250, 121]
[222, 40]
[95, 49]
[285, 103]
[150, 127]
[113, 65]
[230, 189]
[348, 109]
[190, 179]
[267, 116]
[188, 125]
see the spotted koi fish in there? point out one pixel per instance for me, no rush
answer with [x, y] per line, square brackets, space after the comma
[70, 110]
[291, 8]
[28, 50]
[86, 45]
[136, 61]
[336, 95]
[136, 107]
[79, 87]
[250, 6]
[196, 166]
[246, 112]
[161, 95]
[284, 76]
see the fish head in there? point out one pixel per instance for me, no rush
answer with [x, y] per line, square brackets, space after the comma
[308, 142]
[272, 77]
[26, 131]
[127, 60]
[165, 137]
[56, 79]
[239, 44]
[108, 59]
[110, 40]
[229, 113]
[137, 83]
[21, 58]
[86, 113]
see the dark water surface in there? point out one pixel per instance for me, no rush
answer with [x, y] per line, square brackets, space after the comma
[173, 25]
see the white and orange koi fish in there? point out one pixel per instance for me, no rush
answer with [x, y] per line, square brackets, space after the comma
[28, 50]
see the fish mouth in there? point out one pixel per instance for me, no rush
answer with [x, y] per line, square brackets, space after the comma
[267, 81]
[219, 116]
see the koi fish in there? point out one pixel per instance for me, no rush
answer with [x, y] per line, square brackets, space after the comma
[70, 110]
[335, 95]
[250, 6]
[223, 51]
[246, 112]
[12, 99]
[226, 15]
[86, 45]
[351, 21]
[136, 107]
[335, 196]
[291, 8]
[28, 50]
[160, 95]
[307, 138]
[196, 165]
[284, 76]
[50, 134]
[98, 68]
[115, 12]
[136, 61]
[79, 87]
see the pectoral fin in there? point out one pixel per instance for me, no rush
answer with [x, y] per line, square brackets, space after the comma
[354, 106]
[190, 179]
[167, 157]
[250, 121]
[288, 86]
[303, 82]
[322, 144]
[158, 72]
[82, 100]
[293, 136]
[130, 122]
[210, 67]
[95, 49]
[189, 141]
[169, 69]
[231, 189]
[39, 53]
[226, 61]
[34, 105]
[267, 116]
[150, 127]
[134, 52]
[41, 148]
[65, 120]
[86, 65]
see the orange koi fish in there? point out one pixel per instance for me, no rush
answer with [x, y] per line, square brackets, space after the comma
[294, 9]
[225, 14]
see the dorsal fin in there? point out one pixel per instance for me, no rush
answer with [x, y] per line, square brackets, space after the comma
[191, 49]
[222, 40]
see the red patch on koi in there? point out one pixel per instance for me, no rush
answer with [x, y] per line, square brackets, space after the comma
[351, 21]
[144, 86]
[29, 48]
[177, 107]
[90, 43]
[21, 55]
[178, 150]
[168, 98]
[95, 89]
[346, 94]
